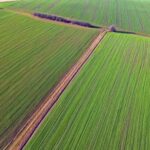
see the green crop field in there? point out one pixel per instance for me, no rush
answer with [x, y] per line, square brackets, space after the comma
[107, 105]
[131, 15]
[34, 57]
[6, 4]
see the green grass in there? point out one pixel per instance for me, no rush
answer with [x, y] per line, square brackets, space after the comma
[107, 105]
[6, 4]
[132, 15]
[34, 57]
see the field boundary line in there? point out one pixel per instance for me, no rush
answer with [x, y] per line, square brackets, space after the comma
[36, 17]
[65, 20]
[25, 133]
[32, 16]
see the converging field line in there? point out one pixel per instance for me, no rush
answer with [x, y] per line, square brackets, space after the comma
[34, 121]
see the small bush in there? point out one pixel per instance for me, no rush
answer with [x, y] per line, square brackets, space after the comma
[112, 28]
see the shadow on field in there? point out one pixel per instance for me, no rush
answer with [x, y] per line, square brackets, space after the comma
[125, 32]
[113, 28]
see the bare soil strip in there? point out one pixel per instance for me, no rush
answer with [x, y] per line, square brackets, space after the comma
[34, 121]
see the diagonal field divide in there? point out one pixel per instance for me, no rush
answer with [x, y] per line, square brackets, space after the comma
[34, 121]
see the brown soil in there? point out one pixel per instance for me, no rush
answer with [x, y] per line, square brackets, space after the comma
[34, 121]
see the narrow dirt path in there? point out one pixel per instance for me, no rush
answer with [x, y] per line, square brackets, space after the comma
[34, 121]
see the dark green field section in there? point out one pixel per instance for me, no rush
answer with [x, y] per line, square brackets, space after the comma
[131, 15]
[34, 57]
[106, 107]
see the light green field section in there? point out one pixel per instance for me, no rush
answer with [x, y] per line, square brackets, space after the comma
[107, 105]
[34, 57]
[131, 15]
[6, 4]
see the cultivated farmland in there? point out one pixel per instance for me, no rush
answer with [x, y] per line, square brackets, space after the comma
[107, 105]
[131, 15]
[34, 57]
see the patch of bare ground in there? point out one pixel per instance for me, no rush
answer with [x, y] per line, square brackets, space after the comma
[17, 142]
[7, 1]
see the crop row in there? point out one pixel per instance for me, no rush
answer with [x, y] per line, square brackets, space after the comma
[107, 105]
[127, 15]
[34, 57]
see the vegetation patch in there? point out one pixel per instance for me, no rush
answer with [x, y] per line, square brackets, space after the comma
[129, 15]
[107, 105]
[35, 55]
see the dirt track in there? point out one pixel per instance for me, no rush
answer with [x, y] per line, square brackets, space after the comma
[28, 129]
